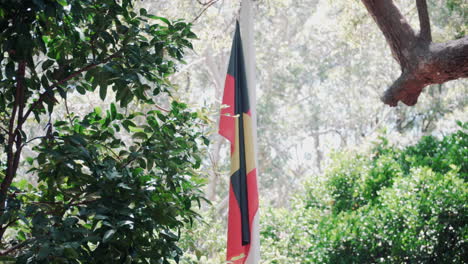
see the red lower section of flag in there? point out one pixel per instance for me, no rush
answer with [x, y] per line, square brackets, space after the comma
[234, 243]
[227, 122]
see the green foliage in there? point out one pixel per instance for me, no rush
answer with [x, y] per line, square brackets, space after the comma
[287, 234]
[103, 200]
[386, 206]
[421, 219]
[441, 155]
[460, 8]
[205, 242]
[101, 44]
[112, 186]
[357, 179]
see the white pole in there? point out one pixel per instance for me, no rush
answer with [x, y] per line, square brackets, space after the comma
[247, 34]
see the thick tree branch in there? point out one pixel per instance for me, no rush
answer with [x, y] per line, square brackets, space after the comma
[405, 88]
[424, 21]
[435, 63]
[399, 34]
[422, 62]
[14, 135]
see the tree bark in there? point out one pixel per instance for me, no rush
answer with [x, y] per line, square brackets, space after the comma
[318, 152]
[422, 61]
[14, 140]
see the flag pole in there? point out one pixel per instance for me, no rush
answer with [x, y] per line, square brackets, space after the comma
[237, 125]
[247, 33]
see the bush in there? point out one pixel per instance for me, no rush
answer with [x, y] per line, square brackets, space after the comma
[384, 206]
[101, 200]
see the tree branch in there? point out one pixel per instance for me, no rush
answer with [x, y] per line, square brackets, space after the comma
[435, 64]
[14, 135]
[422, 62]
[112, 151]
[29, 141]
[160, 108]
[4, 228]
[424, 21]
[206, 6]
[66, 79]
[396, 29]
[15, 247]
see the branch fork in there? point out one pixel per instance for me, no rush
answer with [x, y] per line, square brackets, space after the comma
[422, 61]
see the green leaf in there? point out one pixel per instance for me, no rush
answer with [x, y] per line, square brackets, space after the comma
[107, 37]
[124, 186]
[141, 135]
[5, 218]
[113, 111]
[165, 20]
[102, 91]
[30, 161]
[62, 2]
[127, 124]
[21, 236]
[47, 64]
[10, 70]
[98, 110]
[108, 235]
[71, 252]
[43, 252]
[206, 141]
[142, 163]
[80, 89]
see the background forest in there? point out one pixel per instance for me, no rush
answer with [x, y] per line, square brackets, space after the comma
[339, 182]
[343, 178]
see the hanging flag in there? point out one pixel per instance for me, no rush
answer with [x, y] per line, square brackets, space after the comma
[236, 126]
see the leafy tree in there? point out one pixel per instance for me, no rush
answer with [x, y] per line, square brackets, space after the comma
[112, 186]
[383, 206]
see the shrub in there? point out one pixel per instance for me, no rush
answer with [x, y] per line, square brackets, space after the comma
[383, 206]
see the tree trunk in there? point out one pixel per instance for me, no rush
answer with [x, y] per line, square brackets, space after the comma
[422, 61]
[15, 140]
[318, 152]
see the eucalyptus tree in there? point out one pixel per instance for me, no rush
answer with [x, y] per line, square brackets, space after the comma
[97, 197]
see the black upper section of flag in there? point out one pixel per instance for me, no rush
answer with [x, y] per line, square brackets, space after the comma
[237, 70]
[239, 179]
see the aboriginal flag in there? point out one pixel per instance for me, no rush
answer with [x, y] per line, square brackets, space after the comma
[236, 126]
